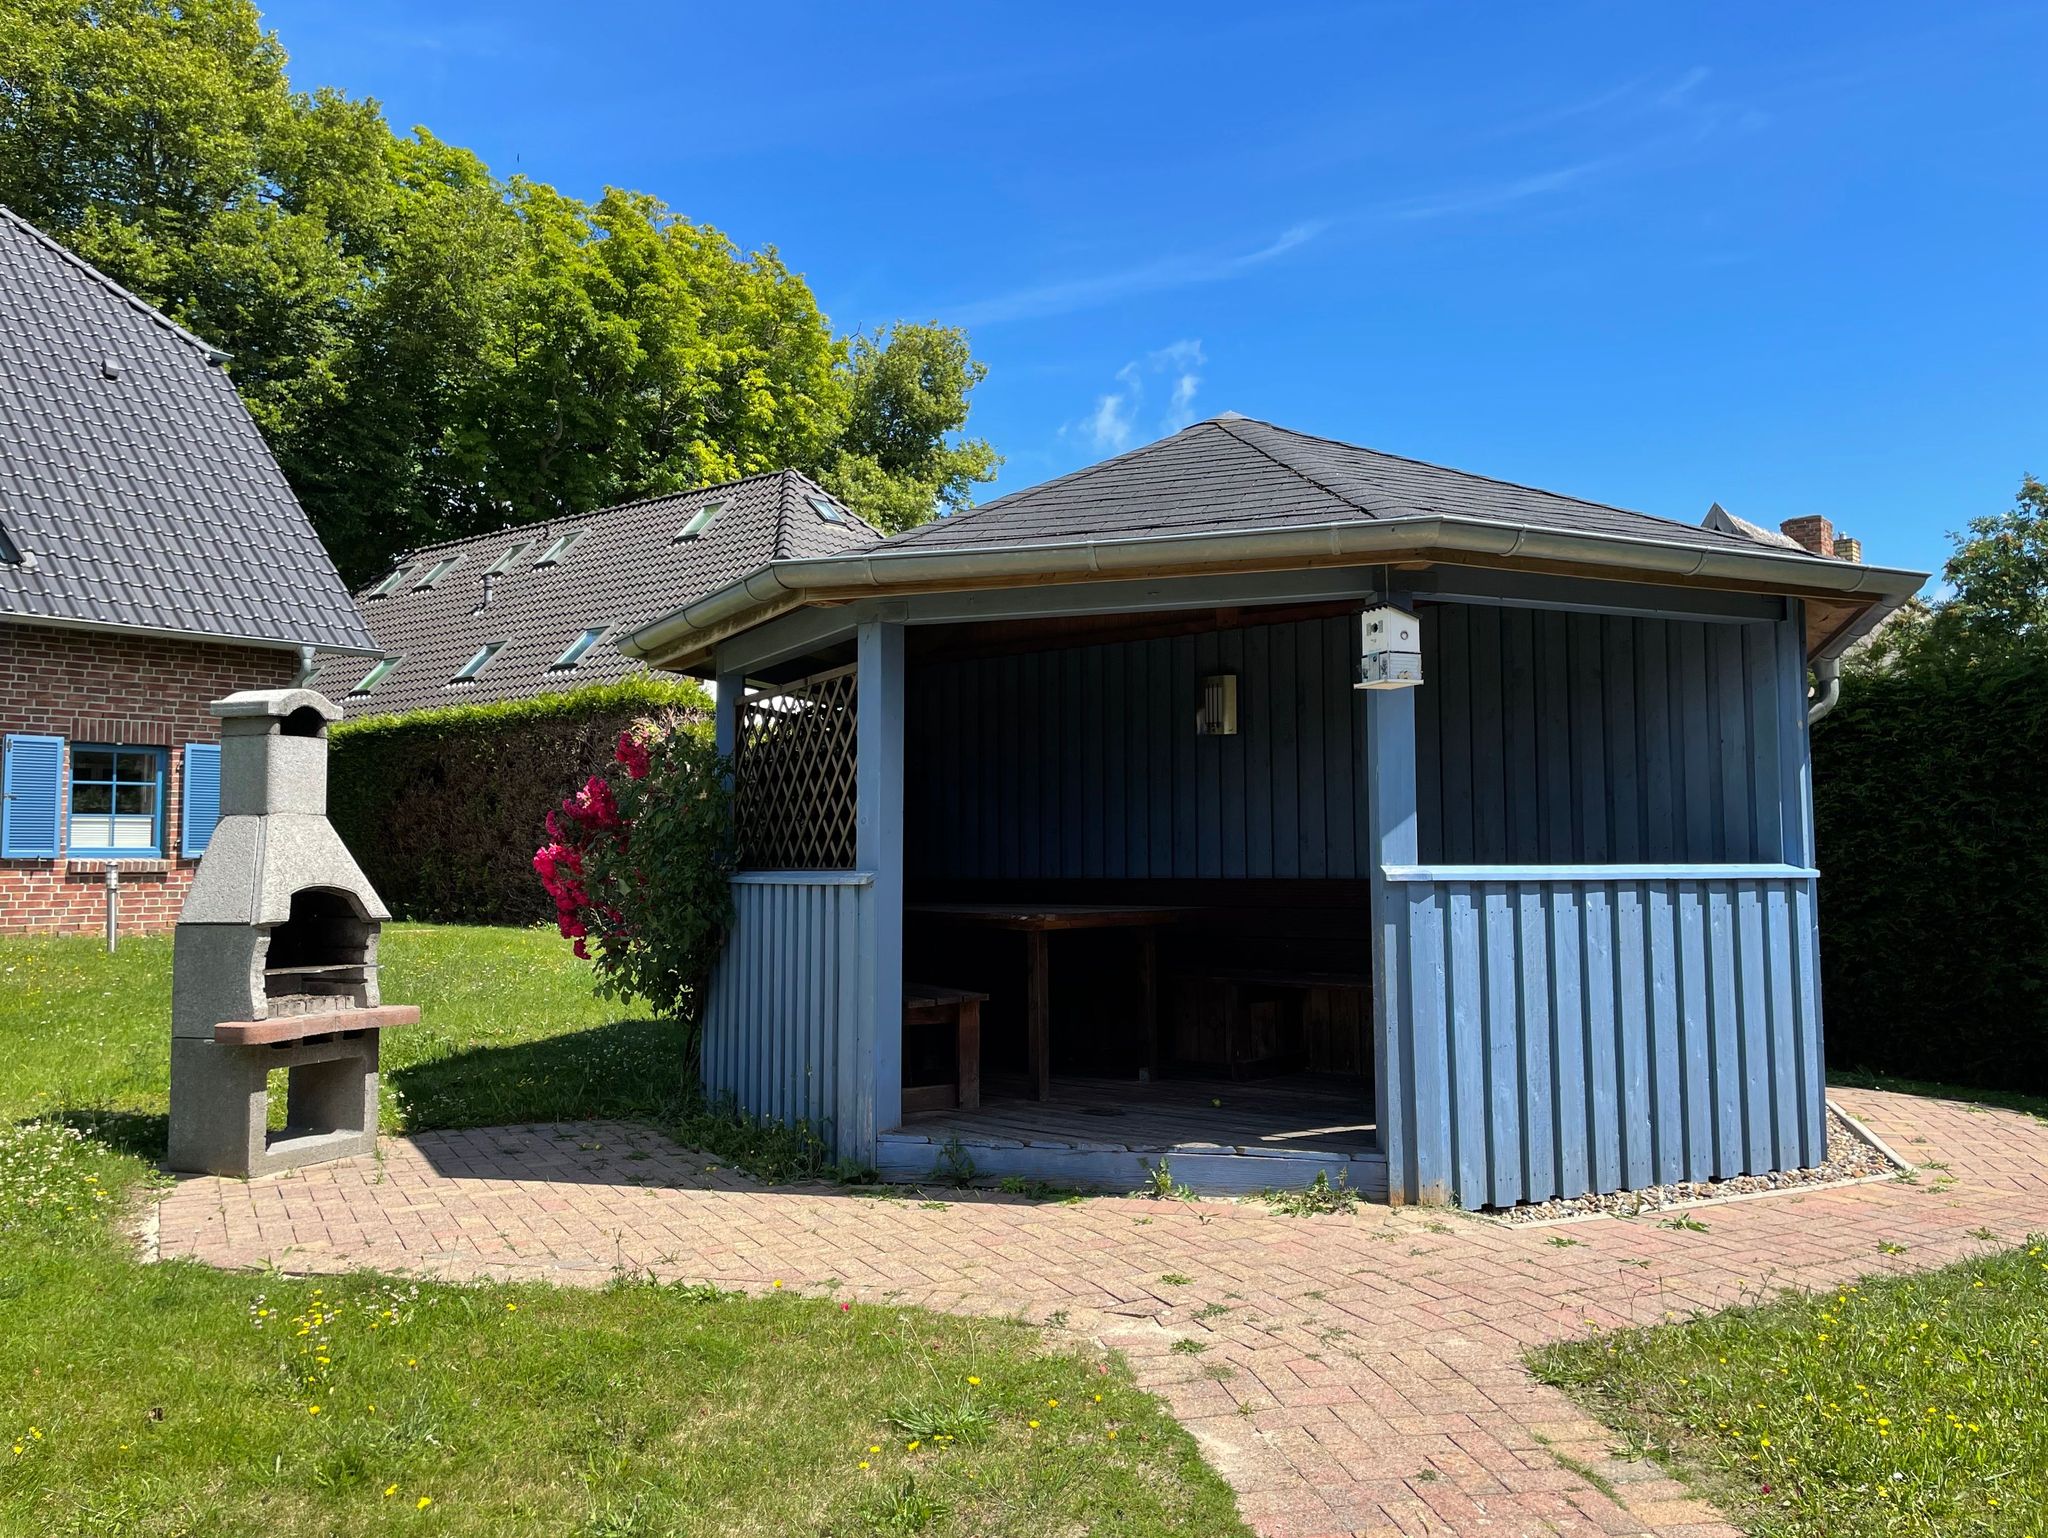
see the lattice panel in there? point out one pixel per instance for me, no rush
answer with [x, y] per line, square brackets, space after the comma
[794, 789]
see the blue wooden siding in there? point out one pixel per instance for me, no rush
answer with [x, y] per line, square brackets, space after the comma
[1083, 762]
[1541, 737]
[788, 1021]
[1545, 737]
[1600, 1032]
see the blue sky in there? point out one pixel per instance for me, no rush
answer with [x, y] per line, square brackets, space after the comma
[1787, 257]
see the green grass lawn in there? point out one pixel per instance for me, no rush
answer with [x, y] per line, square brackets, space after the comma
[1903, 1405]
[173, 1399]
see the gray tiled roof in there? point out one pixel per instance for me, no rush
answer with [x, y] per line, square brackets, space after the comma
[1236, 473]
[133, 478]
[626, 568]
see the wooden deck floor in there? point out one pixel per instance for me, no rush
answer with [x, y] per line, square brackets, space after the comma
[1216, 1135]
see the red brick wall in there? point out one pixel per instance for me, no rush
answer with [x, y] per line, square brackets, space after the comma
[86, 686]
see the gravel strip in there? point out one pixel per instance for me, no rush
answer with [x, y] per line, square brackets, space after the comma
[1849, 1158]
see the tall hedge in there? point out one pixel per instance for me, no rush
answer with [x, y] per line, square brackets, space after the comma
[1929, 802]
[444, 808]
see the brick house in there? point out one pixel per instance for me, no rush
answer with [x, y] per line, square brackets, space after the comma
[152, 559]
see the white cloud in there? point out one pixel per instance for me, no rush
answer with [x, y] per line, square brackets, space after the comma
[1120, 413]
[1179, 271]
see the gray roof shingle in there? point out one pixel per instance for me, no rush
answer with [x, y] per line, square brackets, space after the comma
[627, 567]
[133, 479]
[1235, 472]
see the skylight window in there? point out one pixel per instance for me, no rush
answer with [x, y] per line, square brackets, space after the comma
[390, 584]
[827, 509]
[564, 543]
[504, 561]
[10, 553]
[700, 520]
[437, 571]
[479, 662]
[579, 646]
[382, 669]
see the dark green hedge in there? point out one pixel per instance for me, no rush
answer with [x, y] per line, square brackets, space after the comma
[1929, 802]
[444, 808]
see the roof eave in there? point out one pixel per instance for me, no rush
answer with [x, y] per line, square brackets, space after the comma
[203, 637]
[685, 636]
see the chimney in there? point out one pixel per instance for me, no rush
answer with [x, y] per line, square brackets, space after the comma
[1847, 549]
[1814, 535]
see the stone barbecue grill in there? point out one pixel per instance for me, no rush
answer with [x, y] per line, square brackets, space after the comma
[275, 966]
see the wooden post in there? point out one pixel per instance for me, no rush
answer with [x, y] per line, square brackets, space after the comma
[1037, 985]
[967, 1054]
[1409, 1088]
[876, 1089]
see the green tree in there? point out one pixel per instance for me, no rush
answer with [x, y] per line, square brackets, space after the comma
[900, 459]
[431, 350]
[1996, 607]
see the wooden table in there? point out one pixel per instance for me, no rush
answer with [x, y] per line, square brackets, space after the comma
[1037, 922]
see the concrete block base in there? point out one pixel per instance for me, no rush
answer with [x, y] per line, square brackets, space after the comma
[220, 1104]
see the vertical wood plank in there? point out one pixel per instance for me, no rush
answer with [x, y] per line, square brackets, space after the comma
[1519, 739]
[1555, 794]
[1487, 702]
[1340, 790]
[1088, 711]
[1539, 1084]
[1286, 759]
[1208, 768]
[1603, 1076]
[1429, 739]
[1573, 1122]
[1653, 721]
[1505, 1090]
[1311, 705]
[1454, 728]
[1588, 774]
[1259, 706]
[1162, 753]
[1632, 1036]
[1667, 1063]
[1750, 962]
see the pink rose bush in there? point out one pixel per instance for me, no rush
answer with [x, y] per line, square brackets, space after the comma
[637, 861]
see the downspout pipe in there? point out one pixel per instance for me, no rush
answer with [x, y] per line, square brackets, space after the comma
[1827, 671]
[306, 662]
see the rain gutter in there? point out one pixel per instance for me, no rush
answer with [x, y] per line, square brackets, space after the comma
[679, 637]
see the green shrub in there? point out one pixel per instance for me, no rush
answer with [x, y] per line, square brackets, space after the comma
[444, 808]
[1928, 802]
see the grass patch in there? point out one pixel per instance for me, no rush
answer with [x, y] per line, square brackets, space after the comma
[509, 1032]
[175, 1399]
[2003, 1099]
[1319, 1198]
[1898, 1405]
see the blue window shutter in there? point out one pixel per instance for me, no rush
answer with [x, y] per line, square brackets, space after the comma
[202, 797]
[33, 813]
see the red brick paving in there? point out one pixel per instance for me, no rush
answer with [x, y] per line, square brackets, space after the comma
[1373, 1379]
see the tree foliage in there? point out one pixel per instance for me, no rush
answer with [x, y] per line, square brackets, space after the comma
[1996, 608]
[432, 350]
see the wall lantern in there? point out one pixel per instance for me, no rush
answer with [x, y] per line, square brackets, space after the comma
[1218, 715]
[1389, 650]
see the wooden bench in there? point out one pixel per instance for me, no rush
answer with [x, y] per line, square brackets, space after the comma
[1256, 1038]
[928, 1004]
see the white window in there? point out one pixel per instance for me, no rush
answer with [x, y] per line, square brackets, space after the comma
[479, 662]
[504, 561]
[827, 509]
[579, 646]
[699, 521]
[437, 571]
[382, 669]
[390, 584]
[116, 801]
[564, 543]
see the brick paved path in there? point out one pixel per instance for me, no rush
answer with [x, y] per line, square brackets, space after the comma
[1374, 1382]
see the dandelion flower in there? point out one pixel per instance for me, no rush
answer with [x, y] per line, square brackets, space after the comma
[973, 1382]
[1052, 1404]
[913, 1447]
[424, 1502]
[312, 1409]
[389, 1491]
[864, 1463]
[874, 1447]
[1034, 1425]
